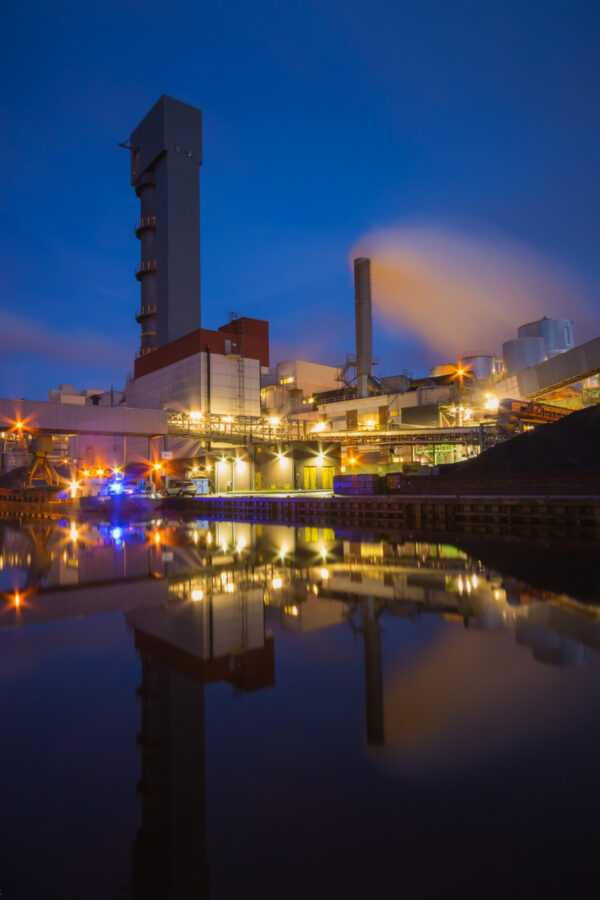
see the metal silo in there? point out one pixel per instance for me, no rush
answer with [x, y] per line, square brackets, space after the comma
[523, 352]
[557, 333]
[479, 363]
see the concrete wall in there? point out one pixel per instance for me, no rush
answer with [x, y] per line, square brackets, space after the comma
[309, 377]
[183, 385]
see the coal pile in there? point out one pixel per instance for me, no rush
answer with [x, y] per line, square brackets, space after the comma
[16, 478]
[571, 445]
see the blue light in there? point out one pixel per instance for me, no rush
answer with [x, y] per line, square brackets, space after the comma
[116, 533]
[116, 487]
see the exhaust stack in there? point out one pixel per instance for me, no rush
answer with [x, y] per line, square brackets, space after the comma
[364, 336]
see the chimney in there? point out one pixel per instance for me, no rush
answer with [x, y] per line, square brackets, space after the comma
[364, 338]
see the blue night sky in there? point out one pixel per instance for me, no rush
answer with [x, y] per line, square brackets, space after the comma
[322, 122]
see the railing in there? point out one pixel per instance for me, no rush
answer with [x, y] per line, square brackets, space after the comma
[144, 223]
[256, 429]
[145, 311]
[147, 265]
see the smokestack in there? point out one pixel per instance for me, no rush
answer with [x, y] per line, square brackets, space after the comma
[364, 337]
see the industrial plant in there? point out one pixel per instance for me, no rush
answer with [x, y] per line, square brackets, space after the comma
[210, 412]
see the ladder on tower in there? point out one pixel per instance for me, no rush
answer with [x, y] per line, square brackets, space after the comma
[233, 317]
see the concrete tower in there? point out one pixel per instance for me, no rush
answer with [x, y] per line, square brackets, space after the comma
[166, 152]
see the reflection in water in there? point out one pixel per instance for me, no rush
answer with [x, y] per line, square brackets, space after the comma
[198, 596]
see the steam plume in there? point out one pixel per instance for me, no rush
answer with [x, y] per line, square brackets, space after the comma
[457, 292]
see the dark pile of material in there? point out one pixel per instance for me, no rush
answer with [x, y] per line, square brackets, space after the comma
[14, 479]
[570, 445]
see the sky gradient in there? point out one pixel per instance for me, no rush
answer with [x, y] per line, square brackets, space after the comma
[323, 122]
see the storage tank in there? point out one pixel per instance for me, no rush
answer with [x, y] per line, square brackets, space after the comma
[443, 369]
[557, 333]
[479, 363]
[523, 352]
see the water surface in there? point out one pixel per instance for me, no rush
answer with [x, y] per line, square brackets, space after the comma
[194, 709]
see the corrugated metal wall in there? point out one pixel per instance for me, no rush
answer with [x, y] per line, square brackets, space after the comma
[65, 419]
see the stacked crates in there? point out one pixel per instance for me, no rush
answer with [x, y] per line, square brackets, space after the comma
[357, 485]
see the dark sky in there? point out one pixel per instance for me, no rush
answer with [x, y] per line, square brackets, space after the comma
[322, 121]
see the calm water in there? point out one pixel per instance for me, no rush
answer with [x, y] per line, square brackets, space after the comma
[193, 710]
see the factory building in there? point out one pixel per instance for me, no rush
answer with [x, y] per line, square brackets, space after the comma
[289, 387]
[205, 371]
[181, 366]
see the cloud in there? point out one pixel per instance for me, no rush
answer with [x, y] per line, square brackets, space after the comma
[458, 292]
[23, 336]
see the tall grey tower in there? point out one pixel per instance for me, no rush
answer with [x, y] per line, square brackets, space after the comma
[166, 152]
[364, 328]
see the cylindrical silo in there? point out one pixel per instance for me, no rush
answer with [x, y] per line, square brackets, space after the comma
[523, 352]
[364, 328]
[557, 333]
[478, 363]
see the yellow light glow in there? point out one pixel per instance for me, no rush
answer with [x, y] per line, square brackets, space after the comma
[209, 538]
[73, 533]
[196, 416]
[17, 600]
[195, 536]
[461, 585]
[273, 420]
[474, 581]
[156, 537]
[283, 551]
[323, 552]
[294, 610]
[240, 545]
[491, 402]
[324, 574]
[396, 459]
[228, 419]
[468, 586]
[194, 469]
[460, 372]
[197, 595]
[282, 459]
[229, 588]
[320, 459]
[277, 582]
[209, 468]
[100, 473]
[222, 462]
[311, 399]
[19, 425]
[343, 469]
[240, 463]
[86, 473]
[316, 590]
[320, 426]
[370, 423]
[156, 467]
[352, 461]
[224, 547]
[73, 488]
